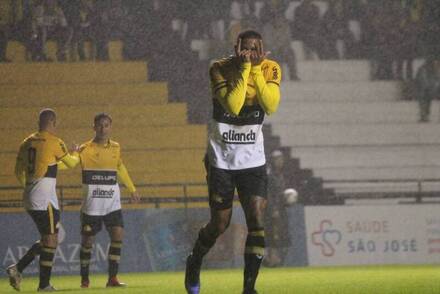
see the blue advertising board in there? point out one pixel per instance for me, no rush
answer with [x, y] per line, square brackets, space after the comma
[154, 240]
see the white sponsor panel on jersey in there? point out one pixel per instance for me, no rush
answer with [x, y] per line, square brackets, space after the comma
[394, 234]
[236, 147]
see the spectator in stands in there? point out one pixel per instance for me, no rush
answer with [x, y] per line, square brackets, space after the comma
[276, 218]
[276, 32]
[5, 23]
[335, 31]
[81, 17]
[102, 28]
[385, 38]
[49, 22]
[410, 28]
[306, 26]
[428, 84]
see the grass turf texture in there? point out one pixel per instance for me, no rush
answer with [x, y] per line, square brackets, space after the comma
[328, 280]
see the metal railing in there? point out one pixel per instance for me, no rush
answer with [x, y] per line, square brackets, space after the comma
[418, 193]
[184, 198]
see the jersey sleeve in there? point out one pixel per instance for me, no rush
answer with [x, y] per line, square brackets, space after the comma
[60, 149]
[267, 80]
[230, 93]
[273, 74]
[218, 81]
[20, 165]
[123, 175]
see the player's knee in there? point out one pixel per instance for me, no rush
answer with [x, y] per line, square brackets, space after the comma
[50, 240]
[87, 241]
[255, 223]
[222, 227]
[116, 234]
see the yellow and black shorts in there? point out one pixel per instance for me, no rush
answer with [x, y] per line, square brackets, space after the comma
[47, 221]
[92, 224]
[222, 184]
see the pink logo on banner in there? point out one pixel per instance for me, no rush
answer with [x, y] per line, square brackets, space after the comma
[326, 238]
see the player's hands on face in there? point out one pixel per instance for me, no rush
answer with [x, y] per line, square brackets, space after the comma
[243, 54]
[135, 198]
[258, 55]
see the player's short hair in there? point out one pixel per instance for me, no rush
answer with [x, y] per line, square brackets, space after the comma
[46, 115]
[100, 116]
[249, 34]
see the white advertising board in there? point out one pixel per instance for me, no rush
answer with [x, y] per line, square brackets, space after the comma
[353, 235]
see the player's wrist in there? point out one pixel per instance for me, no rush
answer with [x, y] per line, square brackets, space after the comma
[246, 65]
[255, 69]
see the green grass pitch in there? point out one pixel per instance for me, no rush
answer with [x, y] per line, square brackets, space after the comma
[325, 280]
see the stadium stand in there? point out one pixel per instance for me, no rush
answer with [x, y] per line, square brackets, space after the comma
[159, 147]
[357, 134]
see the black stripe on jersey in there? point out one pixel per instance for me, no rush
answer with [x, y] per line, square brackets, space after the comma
[99, 177]
[220, 86]
[273, 82]
[249, 115]
[52, 171]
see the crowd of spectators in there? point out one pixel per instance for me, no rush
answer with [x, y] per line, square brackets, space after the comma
[391, 34]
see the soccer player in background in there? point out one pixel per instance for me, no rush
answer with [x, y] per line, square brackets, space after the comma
[36, 170]
[102, 168]
[245, 87]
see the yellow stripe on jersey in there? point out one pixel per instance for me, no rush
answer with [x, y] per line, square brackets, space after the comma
[51, 219]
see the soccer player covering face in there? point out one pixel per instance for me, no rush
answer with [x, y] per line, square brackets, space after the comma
[102, 169]
[36, 169]
[245, 88]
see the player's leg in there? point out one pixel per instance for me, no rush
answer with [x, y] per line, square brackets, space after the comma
[115, 226]
[252, 190]
[90, 226]
[221, 193]
[14, 271]
[207, 237]
[47, 222]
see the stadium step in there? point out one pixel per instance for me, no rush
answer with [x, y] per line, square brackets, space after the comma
[321, 112]
[358, 135]
[138, 161]
[145, 177]
[334, 71]
[16, 51]
[378, 173]
[82, 116]
[83, 94]
[145, 137]
[73, 73]
[355, 91]
[368, 156]
[164, 193]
